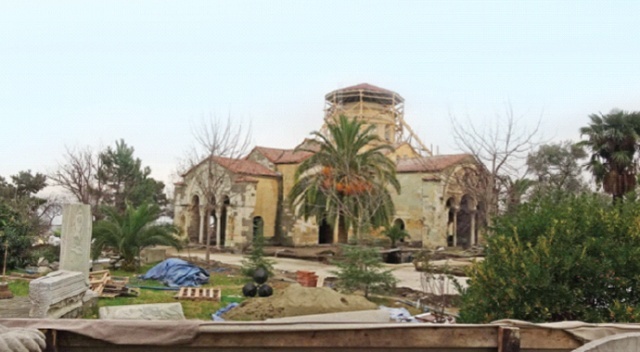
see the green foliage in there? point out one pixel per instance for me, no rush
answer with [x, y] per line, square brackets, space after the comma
[16, 233]
[231, 285]
[395, 234]
[19, 288]
[556, 166]
[560, 257]
[346, 179]
[362, 270]
[126, 181]
[128, 233]
[49, 252]
[19, 240]
[613, 142]
[256, 259]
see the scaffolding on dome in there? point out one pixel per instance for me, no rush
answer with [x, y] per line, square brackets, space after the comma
[374, 105]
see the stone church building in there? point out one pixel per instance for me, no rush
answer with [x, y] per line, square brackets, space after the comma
[433, 205]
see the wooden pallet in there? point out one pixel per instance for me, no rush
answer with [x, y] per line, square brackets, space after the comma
[199, 294]
[107, 286]
[98, 280]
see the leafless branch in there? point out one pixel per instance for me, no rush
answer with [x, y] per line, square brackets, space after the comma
[501, 146]
[77, 174]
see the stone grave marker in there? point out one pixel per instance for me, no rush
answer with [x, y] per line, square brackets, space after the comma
[75, 245]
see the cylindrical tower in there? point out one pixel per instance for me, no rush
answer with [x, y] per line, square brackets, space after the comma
[375, 106]
[369, 104]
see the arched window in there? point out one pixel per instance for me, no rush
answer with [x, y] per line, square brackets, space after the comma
[399, 223]
[258, 227]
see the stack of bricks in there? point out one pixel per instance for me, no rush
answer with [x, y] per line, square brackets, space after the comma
[307, 278]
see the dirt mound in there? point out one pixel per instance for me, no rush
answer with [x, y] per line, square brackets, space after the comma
[297, 300]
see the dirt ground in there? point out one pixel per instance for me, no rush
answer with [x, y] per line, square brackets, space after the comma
[282, 304]
[296, 300]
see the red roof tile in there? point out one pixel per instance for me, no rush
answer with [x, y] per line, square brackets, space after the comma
[244, 167]
[283, 156]
[242, 179]
[431, 163]
[238, 166]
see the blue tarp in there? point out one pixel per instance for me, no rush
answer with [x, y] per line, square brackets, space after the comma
[217, 316]
[175, 272]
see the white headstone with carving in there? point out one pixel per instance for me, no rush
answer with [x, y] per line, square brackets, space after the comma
[75, 246]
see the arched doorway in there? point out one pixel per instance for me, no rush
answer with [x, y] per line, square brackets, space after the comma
[399, 223]
[193, 229]
[258, 228]
[325, 232]
[464, 223]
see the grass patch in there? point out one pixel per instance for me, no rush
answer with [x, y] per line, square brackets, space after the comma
[19, 288]
[231, 286]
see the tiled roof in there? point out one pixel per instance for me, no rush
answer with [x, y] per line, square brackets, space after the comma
[431, 163]
[238, 166]
[244, 167]
[283, 156]
[243, 179]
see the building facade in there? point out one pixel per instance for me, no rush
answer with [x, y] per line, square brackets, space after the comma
[436, 206]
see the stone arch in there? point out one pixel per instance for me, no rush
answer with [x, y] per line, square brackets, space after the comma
[325, 232]
[193, 227]
[465, 228]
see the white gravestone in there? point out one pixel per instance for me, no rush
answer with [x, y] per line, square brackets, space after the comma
[75, 245]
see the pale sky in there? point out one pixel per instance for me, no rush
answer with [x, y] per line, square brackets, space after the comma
[86, 73]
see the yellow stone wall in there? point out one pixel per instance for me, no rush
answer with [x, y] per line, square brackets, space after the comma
[371, 113]
[266, 205]
[288, 172]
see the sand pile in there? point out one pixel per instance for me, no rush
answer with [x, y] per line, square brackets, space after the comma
[297, 300]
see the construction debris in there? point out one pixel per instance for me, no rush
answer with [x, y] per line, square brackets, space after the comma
[107, 286]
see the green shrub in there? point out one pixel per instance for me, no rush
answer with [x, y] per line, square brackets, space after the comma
[563, 257]
[19, 241]
[256, 259]
[49, 252]
[394, 234]
[362, 269]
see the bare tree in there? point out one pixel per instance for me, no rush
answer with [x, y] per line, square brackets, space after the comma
[502, 148]
[49, 210]
[78, 174]
[216, 142]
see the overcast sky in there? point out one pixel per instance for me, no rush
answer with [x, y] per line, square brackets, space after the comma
[86, 73]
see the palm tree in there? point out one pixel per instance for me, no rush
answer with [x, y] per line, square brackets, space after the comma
[346, 180]
[613, 142]
[128, 233]
[395, 233]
